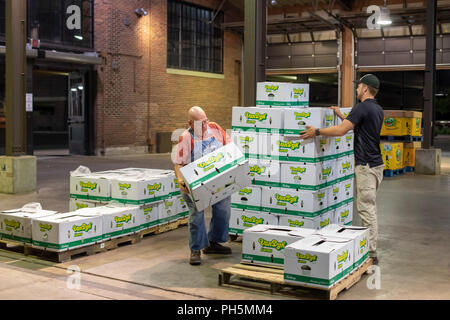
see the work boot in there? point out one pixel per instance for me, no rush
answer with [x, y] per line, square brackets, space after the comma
[215, 247]
[195, 258]
[373, 255]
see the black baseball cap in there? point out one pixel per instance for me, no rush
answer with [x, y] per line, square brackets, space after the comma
[370, 80]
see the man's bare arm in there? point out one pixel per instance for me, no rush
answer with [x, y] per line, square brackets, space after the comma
[181, 182]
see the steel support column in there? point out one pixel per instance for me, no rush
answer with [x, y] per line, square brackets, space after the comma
[16, 77]
[429, 89]
[254, 48]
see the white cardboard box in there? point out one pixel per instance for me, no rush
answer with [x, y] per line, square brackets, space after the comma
[345, 166]
[61, 232]
[318, 261]
[168, 210]
[16, 224]
[315, 223]
[264, 172]
[248, 198]
[343, 215]
[279, 94]
[92, 186]
[312, 150]
[360, 237]
[347, 187]
[335, 194]
[141, 188]
[300, 91]
[337, 145]
[76, 204]
[268, 148]
[345, 112]
[306, 203]
[302, 175]
[264, 244]
[348, 141]
[216, 176]
[241, 219]
[296, 119]
[247, 142]
[148, 215]
[258, 119]
[118, 219]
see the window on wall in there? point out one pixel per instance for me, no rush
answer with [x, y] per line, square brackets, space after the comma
[60, 22]
[193, 43]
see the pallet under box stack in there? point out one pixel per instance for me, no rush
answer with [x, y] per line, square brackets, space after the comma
[295, 183]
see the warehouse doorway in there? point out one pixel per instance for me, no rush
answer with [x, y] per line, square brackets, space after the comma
[76, 123]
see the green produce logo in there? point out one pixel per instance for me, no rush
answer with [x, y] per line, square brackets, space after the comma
[296, 223]
[323, 142]
[12, 224]
[321, 196]
[302, 115]
[298, 91]
[155, 187]
[363, 243]
[348, 138]
[252, 220]
[289, 145]
[344, 214]
[346, 165]
[348, 186]
[83, 228]
[256, 116]
[287, 198]
[257, 169]
[343, 257]
[125, 218]
[326, 172]
[88, 185]
[209, 164]
[272, 88]
[45, 227]
[308, 257]
[389, 122]
[123, 186]
[295, 170]
[337, 140]
[324, 223]
[246, 139]
[245, 191]
[273, 244]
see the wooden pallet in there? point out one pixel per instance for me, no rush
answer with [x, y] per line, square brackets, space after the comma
[89, 250]
[269, 279]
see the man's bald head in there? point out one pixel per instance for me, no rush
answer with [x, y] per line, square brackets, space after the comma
[196, 114]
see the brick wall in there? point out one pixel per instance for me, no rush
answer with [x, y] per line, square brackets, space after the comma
[136, 97]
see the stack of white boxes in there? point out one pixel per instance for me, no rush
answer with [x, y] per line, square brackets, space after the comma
[296, 183]
[155, 192]
[318, 258]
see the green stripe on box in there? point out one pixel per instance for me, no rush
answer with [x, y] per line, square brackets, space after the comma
[281, 103]
[87, 197]
[143, 201]
[215, 173]
[251, 257]
[270, 130]
[121, 232]
[266, 183]
[235, 231]
[318, 281]
[361, 261]
[302, 187]
[15, 238]
[66, 245]
[249, 129]
[245, 207]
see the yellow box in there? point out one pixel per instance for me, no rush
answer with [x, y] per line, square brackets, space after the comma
[409, 153]
[392, 153]
[413, 123]
[394, 123]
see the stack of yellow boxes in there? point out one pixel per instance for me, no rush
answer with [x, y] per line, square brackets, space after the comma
[400, 156]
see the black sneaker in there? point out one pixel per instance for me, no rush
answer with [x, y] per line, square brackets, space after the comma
[195, 258]
[214, 247]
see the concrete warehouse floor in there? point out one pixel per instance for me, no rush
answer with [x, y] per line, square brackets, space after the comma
[414, 233]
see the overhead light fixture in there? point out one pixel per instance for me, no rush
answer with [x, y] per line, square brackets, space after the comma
[140, 12]
[81, 88]
[78, 37]
[385, 17]
[74, 89]
[273, 2]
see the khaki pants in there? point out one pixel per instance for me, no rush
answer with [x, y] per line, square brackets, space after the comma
[368, 181]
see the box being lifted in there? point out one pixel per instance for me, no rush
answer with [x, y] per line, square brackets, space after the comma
[216, 176]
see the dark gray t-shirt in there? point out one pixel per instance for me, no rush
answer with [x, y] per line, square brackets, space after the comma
[368, 118]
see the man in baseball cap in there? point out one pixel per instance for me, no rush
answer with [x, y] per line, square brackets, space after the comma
[365, 119]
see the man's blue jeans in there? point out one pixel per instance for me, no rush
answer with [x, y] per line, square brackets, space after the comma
[218, 228]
